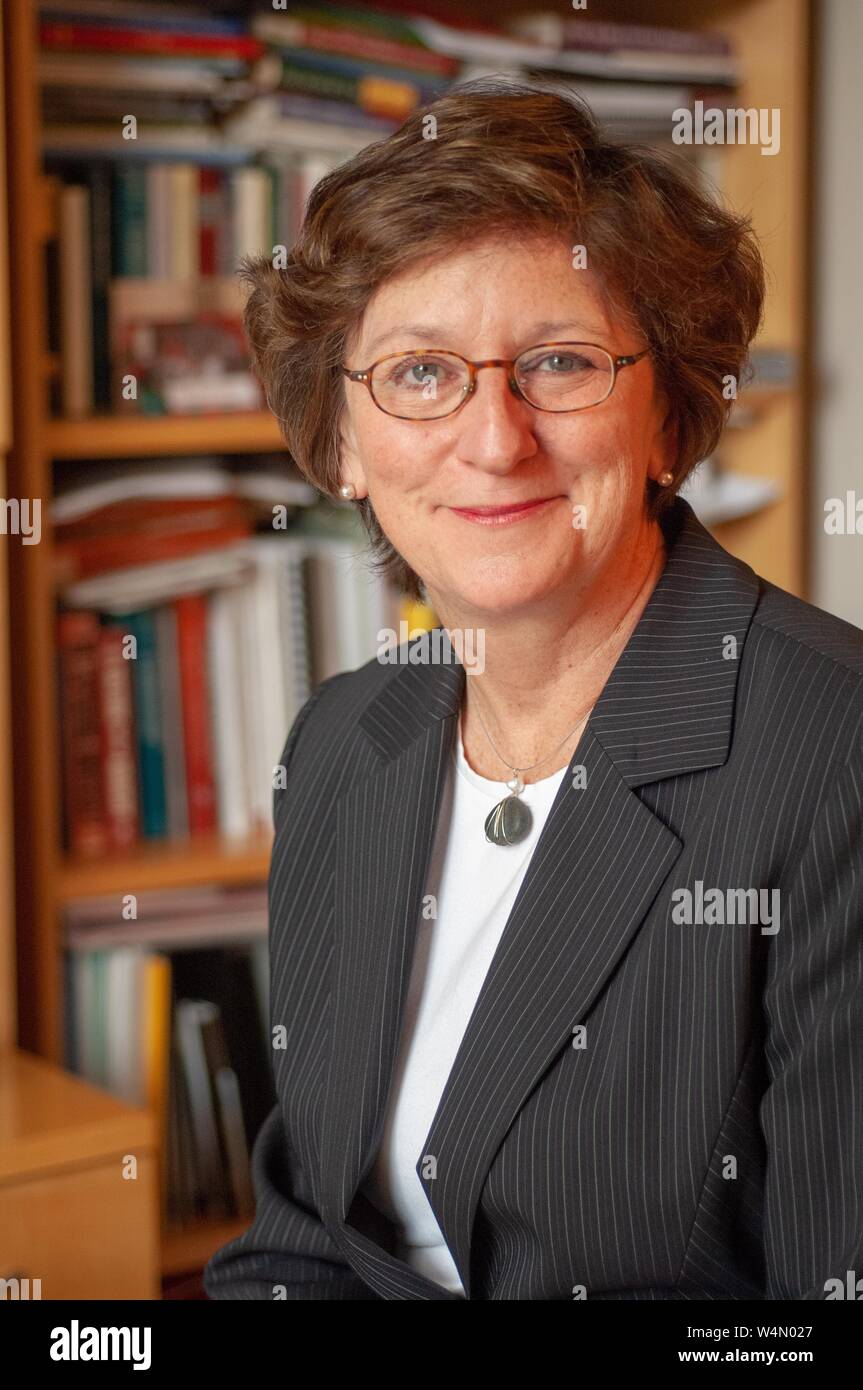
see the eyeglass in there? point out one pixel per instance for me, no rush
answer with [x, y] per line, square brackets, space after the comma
[430, 384]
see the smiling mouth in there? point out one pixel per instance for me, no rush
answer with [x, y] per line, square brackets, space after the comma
[503, 513]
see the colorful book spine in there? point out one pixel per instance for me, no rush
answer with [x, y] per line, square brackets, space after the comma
[86, 823]
[286, 31]
[101, 38]
[120, 775]
[213, 214]
[151, 755]
[99, 179]
[380, 93]
[191, 614]
[129, 221]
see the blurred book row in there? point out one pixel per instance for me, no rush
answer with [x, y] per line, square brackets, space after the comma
[190, 634]
[184, 139]
[167, 1007]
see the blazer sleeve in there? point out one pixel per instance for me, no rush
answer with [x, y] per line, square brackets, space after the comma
[812, 1109]
[287, 1244]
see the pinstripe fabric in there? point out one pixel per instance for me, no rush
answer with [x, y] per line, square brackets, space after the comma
[704, 1137]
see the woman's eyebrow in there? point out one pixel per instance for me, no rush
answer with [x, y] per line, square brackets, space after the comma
[430, 333]
[418, 332]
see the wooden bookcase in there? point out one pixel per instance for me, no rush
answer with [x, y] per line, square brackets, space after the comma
[774, 40]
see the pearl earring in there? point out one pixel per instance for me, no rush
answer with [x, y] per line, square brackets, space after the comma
[348, 491]
[665, 479]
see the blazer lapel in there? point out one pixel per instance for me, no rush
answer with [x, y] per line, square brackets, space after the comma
[601, 858]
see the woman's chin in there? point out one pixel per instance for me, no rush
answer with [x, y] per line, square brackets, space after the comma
[501, 592]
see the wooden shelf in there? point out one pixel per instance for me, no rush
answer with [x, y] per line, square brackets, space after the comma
[189, 1248]
[128, 436]
[164, 865]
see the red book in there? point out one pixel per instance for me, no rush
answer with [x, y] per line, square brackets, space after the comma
[119, 755]
[82, 559]
[191, 611]
[352, 43]
[92, 37]
[213, 220]
[86, 822]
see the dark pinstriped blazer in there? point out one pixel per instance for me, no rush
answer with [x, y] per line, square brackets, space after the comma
[706, 1141]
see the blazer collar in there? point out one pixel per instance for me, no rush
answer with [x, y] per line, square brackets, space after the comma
[600, 861]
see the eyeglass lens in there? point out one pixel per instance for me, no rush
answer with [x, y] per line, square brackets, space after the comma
[568, 376]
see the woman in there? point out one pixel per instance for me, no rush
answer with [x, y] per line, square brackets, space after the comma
[565, 941]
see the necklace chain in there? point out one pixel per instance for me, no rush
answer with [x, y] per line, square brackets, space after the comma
[586, 710]
[531, 766]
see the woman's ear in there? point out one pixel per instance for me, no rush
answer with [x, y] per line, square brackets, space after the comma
[664, 445]
[350, 466]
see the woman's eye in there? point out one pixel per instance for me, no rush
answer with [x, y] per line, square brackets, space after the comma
[558, 362]
[419, 373]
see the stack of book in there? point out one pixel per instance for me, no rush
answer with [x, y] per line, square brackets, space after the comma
[139, 71]
[191, 632]
[150, 207]
[184, 141]
[167, 1007]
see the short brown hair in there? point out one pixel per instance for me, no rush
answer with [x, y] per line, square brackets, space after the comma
[513, 158]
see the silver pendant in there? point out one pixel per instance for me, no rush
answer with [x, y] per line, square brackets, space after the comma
[509, 822]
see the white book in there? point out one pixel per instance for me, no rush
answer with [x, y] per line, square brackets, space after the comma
[110, 73]
[294, 627]
[227, 722]
[76, 302]
[252, 203]
[92, 137]
[260, 125]
[274, 715]
[144, 586]
[125, 1024]
[266, 703]
[184, 250]
[349, 605]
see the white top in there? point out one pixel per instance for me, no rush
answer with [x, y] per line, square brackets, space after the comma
[475, 885]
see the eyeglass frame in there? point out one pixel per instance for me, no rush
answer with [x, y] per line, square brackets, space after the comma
[364, 376]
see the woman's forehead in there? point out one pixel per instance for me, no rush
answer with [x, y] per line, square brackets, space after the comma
[527, 287]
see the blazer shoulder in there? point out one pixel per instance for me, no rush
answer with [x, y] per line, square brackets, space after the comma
[813, 630]
[331, 714]
[355, 689]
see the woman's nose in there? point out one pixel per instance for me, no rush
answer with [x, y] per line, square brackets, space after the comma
[496, 424]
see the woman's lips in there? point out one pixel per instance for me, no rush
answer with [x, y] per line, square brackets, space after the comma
[504, 515]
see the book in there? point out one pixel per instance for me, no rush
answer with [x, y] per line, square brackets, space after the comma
[191, 619]
[140, 39]
[377, 91]
[146, 14]
[192, 1017]
[76, 561]
[76, 302]
[87, 73]
[129, 221]
[604, 36]
[171, 722]
[287, 31]
[117, 721]
[153, 809]
[224, 627]
[78, 638]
